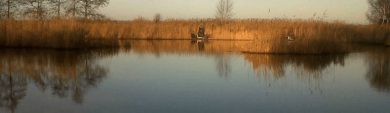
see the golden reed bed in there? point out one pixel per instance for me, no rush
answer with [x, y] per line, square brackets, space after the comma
[265, 36]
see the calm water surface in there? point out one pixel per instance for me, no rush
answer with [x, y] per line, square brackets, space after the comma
[184, 77]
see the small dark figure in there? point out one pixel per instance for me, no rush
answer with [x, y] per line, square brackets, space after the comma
[201, 31]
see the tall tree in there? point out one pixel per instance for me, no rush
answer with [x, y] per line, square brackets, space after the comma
[85, 8]
[379, 12]
[72, 7]
[91, 7]
[2, 9]
[37, 9]
[157, 18]
[8, 8]
[224, 10]
[57, 6]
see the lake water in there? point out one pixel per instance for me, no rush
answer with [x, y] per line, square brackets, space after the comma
[185, 77]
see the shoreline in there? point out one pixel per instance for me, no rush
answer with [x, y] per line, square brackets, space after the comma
[267, 36]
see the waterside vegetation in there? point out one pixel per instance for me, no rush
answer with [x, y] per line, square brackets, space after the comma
[309, 36]
[76, 24]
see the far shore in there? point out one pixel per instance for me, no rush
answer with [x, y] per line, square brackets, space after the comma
[309, 36]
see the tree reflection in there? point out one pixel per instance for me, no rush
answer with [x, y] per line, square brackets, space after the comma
[379, 69]
[12, 88]
[223, 65]
[65, 73]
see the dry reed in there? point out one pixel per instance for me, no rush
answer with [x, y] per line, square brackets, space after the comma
[267, 36]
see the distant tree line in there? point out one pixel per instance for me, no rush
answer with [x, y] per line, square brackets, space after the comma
[46, 9]
[379, 12]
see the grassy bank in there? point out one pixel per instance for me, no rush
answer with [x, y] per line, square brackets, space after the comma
[266, 35]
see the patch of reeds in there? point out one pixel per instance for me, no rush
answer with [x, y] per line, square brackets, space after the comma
[64, 34]
[267, 36]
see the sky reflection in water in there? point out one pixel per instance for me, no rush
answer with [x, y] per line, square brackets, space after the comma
[179, 76]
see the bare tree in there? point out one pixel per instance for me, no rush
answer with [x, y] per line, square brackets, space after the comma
[379, 11]
[37, 9]
[85, 8]
[157, 18]
[8, 8]
[42, 9]
[224, 10]
[2, 8]
[57, 6]
[72, 7]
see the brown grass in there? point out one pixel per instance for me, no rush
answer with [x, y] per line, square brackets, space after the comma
[267, 36]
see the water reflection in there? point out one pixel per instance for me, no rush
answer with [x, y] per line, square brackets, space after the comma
[64, 73]
[186, 47]
[276, 65]
[378, 63]
[199, 43]
[223, 65]
[219, 68]
[263, 64]
[12, 89]
[219, 50]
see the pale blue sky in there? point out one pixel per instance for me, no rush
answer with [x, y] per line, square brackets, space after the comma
[350, 11]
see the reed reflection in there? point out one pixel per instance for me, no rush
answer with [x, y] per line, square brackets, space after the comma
[185, 46]
[276, 65]
[64, 74]
[214, 49]
[199, 43]
[266, 64]
[378, 62]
